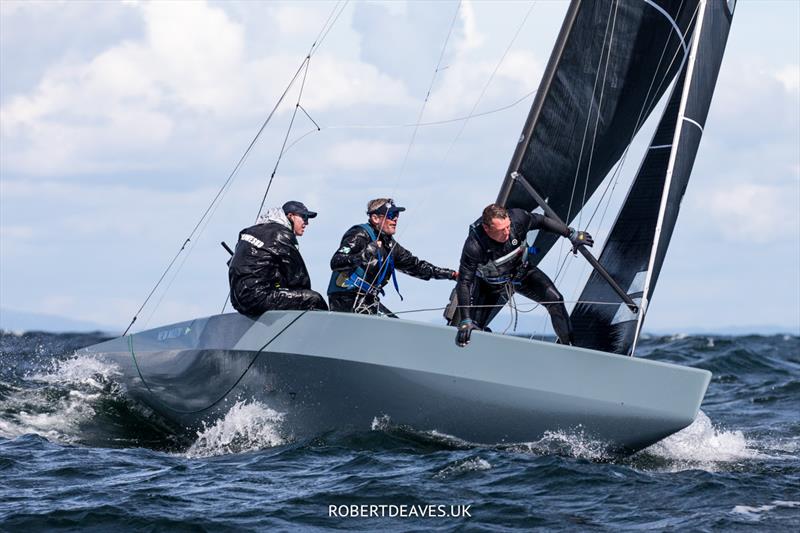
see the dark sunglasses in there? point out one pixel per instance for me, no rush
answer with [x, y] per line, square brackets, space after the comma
[304, 217]
[392, 215]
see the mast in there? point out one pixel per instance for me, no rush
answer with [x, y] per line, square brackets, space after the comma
[538, 102]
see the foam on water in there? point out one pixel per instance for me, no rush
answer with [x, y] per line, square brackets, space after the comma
[755, 513]
[575, 443]
[247, 426]
[56, 402]
[702, 446]
[473, 464]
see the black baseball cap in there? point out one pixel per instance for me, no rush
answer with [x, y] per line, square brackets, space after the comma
[298, 208]
[386, 208]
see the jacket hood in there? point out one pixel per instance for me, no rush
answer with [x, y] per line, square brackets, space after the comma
[275, 214]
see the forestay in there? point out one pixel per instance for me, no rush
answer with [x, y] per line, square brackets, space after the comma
[638, 241]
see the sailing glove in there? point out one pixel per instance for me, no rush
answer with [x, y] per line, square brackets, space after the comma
[464, 332]
[579, 238]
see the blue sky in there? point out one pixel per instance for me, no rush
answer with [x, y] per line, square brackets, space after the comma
[120, 121]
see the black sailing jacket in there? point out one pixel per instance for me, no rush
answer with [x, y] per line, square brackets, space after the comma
[266, 258]
[479, 249]
[346, 259]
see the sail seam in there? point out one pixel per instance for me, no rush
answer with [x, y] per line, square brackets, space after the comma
[660, 146]
[670, 167]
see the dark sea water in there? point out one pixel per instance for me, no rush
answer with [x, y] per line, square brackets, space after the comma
[77, 454]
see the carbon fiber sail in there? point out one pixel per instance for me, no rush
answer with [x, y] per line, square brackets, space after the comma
[638, 241]
[612, 62]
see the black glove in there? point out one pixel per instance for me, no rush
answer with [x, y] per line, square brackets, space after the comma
[464, 332]
[368, 258]
[444, 273]
[579, 238]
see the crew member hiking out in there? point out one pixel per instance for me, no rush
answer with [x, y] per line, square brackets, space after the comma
[367, 258]
[267, 271]
[494, 265]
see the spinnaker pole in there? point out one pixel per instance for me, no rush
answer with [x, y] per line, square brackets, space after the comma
[516, 176]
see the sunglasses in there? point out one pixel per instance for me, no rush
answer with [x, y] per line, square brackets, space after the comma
[304, 217]
[392, 215]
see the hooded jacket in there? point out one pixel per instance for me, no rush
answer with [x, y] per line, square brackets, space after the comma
[267, 257]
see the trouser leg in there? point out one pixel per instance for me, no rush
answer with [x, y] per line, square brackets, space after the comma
[352, 302]
[487, 302]
[537, 286]
[296, 299]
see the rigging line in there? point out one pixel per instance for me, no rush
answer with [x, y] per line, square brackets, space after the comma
[597, 120]
[322, 30]
[644, 111]
[397, 126]
[583, 139]
[303, 109]
[588, 119]
[315, 46]
[319, 42]
[286, 137]
[488, 82]
[523, 310]
[613, 182]
[430, 88]
[434, 122]
[411, 142]
[645, 105]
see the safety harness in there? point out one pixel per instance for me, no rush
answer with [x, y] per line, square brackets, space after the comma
[503, 269]
[341, 282]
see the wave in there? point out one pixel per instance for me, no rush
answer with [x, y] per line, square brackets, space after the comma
[76, 400]
[247, 426]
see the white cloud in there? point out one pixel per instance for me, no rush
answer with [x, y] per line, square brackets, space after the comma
[789, 76]
[150, 96]
[365, 155]
[758, 213]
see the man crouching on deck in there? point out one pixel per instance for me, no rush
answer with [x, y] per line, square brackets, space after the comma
[366, 260]
[494, 265]
[267, 271]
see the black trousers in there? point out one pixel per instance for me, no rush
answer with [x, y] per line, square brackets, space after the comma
[286, 299]
[533, 284]
[368, 304]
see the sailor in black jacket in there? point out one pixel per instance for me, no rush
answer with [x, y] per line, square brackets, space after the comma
[494, 264]
[267, 271]
[367, 258]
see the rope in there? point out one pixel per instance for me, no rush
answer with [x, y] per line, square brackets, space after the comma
[220, 193]
[412, 124]
[521, 310]
[361, 295]
[222, 397]
[430, 88]
[486, 85]
[474, 107]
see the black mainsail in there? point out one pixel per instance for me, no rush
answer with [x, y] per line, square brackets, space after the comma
[612, 62]
[638, 241]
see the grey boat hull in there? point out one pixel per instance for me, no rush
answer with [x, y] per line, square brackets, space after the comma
[334, 371]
